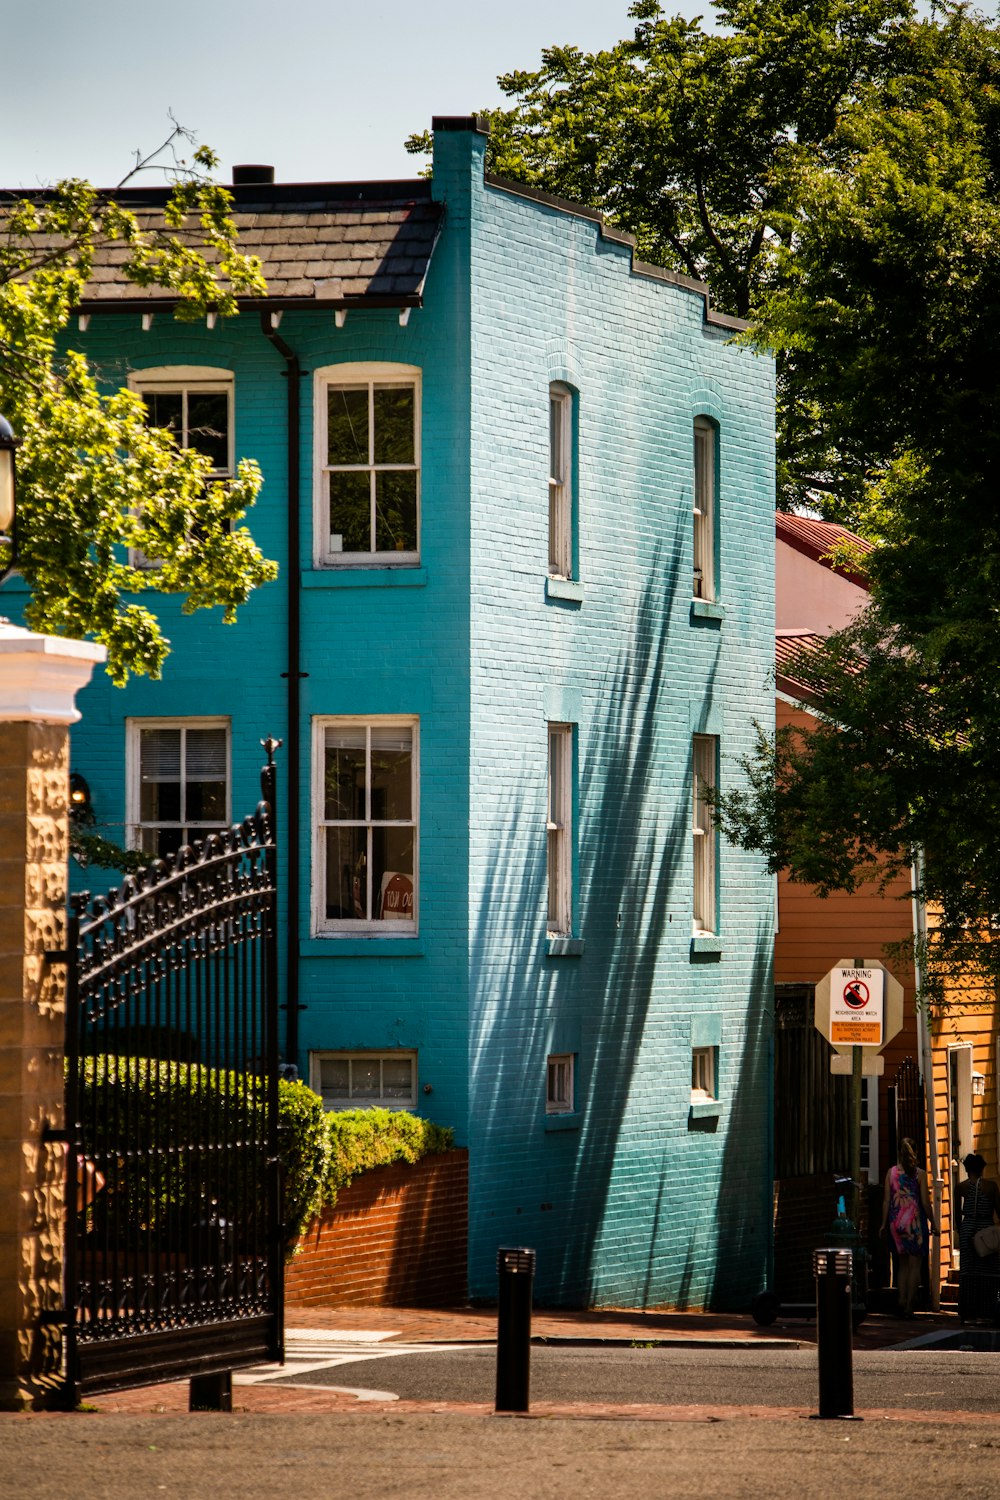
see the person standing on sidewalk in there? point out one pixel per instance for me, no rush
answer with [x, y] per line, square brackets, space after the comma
[907, 1213]
[977, 1277]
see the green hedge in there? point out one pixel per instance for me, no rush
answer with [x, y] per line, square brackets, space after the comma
[153, 1104]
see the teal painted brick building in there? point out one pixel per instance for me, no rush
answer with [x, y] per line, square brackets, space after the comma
[525, 611]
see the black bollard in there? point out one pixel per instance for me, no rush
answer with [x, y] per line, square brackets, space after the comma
[211, 1392]
[515, 1274]
[834, 1334]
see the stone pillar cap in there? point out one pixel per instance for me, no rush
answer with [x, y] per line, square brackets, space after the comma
[40, 675]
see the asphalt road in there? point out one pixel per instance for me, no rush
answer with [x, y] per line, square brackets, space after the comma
[407, 1456]
[946, 1381]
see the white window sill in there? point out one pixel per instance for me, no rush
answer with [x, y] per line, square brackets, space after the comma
[706, 943]
[564, 947]
[570, 590]
[407, 576]
[706, 1109]
[334, 946]
[707, 609]
[565, 1120]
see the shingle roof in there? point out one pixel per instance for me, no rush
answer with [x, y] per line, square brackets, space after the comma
[332, 244]
[816, 539]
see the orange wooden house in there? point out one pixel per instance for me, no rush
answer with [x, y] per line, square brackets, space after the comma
[815, 596]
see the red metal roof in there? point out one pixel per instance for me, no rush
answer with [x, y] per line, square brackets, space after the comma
[816, 539]
[787, 645]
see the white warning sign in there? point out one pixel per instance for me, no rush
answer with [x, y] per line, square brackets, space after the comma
[857, 1007]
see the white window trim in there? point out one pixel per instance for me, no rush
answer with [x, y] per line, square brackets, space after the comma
[385, 373]
[560, 531]
[559, 829]
[316, 1059]
[192, 378]
[133, 766]
[704, 835]
[704, 1079]
[322, 925]
[705, 506]
[567, 1104]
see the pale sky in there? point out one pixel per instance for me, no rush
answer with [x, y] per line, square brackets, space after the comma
[321, 89]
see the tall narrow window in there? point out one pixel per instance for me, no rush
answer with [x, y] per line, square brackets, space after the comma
[368, 431]
[559, 1084]
[560, 481]
[178, 787]
[560, 829]
[705, 838]
[703, 1071]
[367, 825]
[704, 508]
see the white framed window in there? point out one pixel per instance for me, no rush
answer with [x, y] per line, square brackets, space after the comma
[195, 403]
[704, 1083]
[178, 786]
[559, 1084]
[559, 823]
[367, 465]
[705, 468]
[366, 798]
[705, 755]
[364, 1080]
[560, 481]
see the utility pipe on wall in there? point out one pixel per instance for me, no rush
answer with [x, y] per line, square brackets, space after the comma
[293, 676]
[927, 1069]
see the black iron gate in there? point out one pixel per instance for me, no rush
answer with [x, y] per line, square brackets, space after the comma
[174, 1244]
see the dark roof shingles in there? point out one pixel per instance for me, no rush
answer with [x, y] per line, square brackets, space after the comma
[378, 250]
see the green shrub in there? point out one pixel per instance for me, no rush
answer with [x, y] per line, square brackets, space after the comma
[362, 1139]
[153, 1104]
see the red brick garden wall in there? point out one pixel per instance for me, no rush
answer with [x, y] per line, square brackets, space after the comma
[396, 1237]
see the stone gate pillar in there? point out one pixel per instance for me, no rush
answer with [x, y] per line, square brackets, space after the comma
[39, 677]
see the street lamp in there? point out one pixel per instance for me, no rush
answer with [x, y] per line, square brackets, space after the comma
[8, 502]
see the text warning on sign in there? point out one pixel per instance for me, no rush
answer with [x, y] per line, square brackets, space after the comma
[856, 1007]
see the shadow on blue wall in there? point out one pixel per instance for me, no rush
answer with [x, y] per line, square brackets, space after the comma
[601, 1201]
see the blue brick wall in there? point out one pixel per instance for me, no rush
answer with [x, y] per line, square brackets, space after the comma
[629, 1200]
[634, 1202]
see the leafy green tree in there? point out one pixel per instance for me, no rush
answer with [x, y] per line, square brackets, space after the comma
[94, 478]
[831, 169]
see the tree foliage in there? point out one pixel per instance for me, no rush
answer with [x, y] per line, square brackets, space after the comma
[831, 169]
[94, 479]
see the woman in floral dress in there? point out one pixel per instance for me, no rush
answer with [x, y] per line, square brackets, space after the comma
[907, 1213]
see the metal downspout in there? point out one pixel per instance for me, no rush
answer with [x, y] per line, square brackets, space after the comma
[293, 676]
[927, 1069]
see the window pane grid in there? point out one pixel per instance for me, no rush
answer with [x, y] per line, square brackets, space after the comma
[560, 483]
[181, 791]
[372, 468]
[368, 824]
[559, 828]
[704, 836]
[704, 509]
[363, 1080]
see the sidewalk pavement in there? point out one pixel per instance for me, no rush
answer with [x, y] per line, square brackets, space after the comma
[469, 1325]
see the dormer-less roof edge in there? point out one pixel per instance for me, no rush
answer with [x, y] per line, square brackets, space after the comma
[619, 237]
[251, 304]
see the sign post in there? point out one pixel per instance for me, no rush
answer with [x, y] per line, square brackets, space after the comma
[859, 1007]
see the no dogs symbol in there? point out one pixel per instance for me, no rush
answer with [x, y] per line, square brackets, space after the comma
[856, 994]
